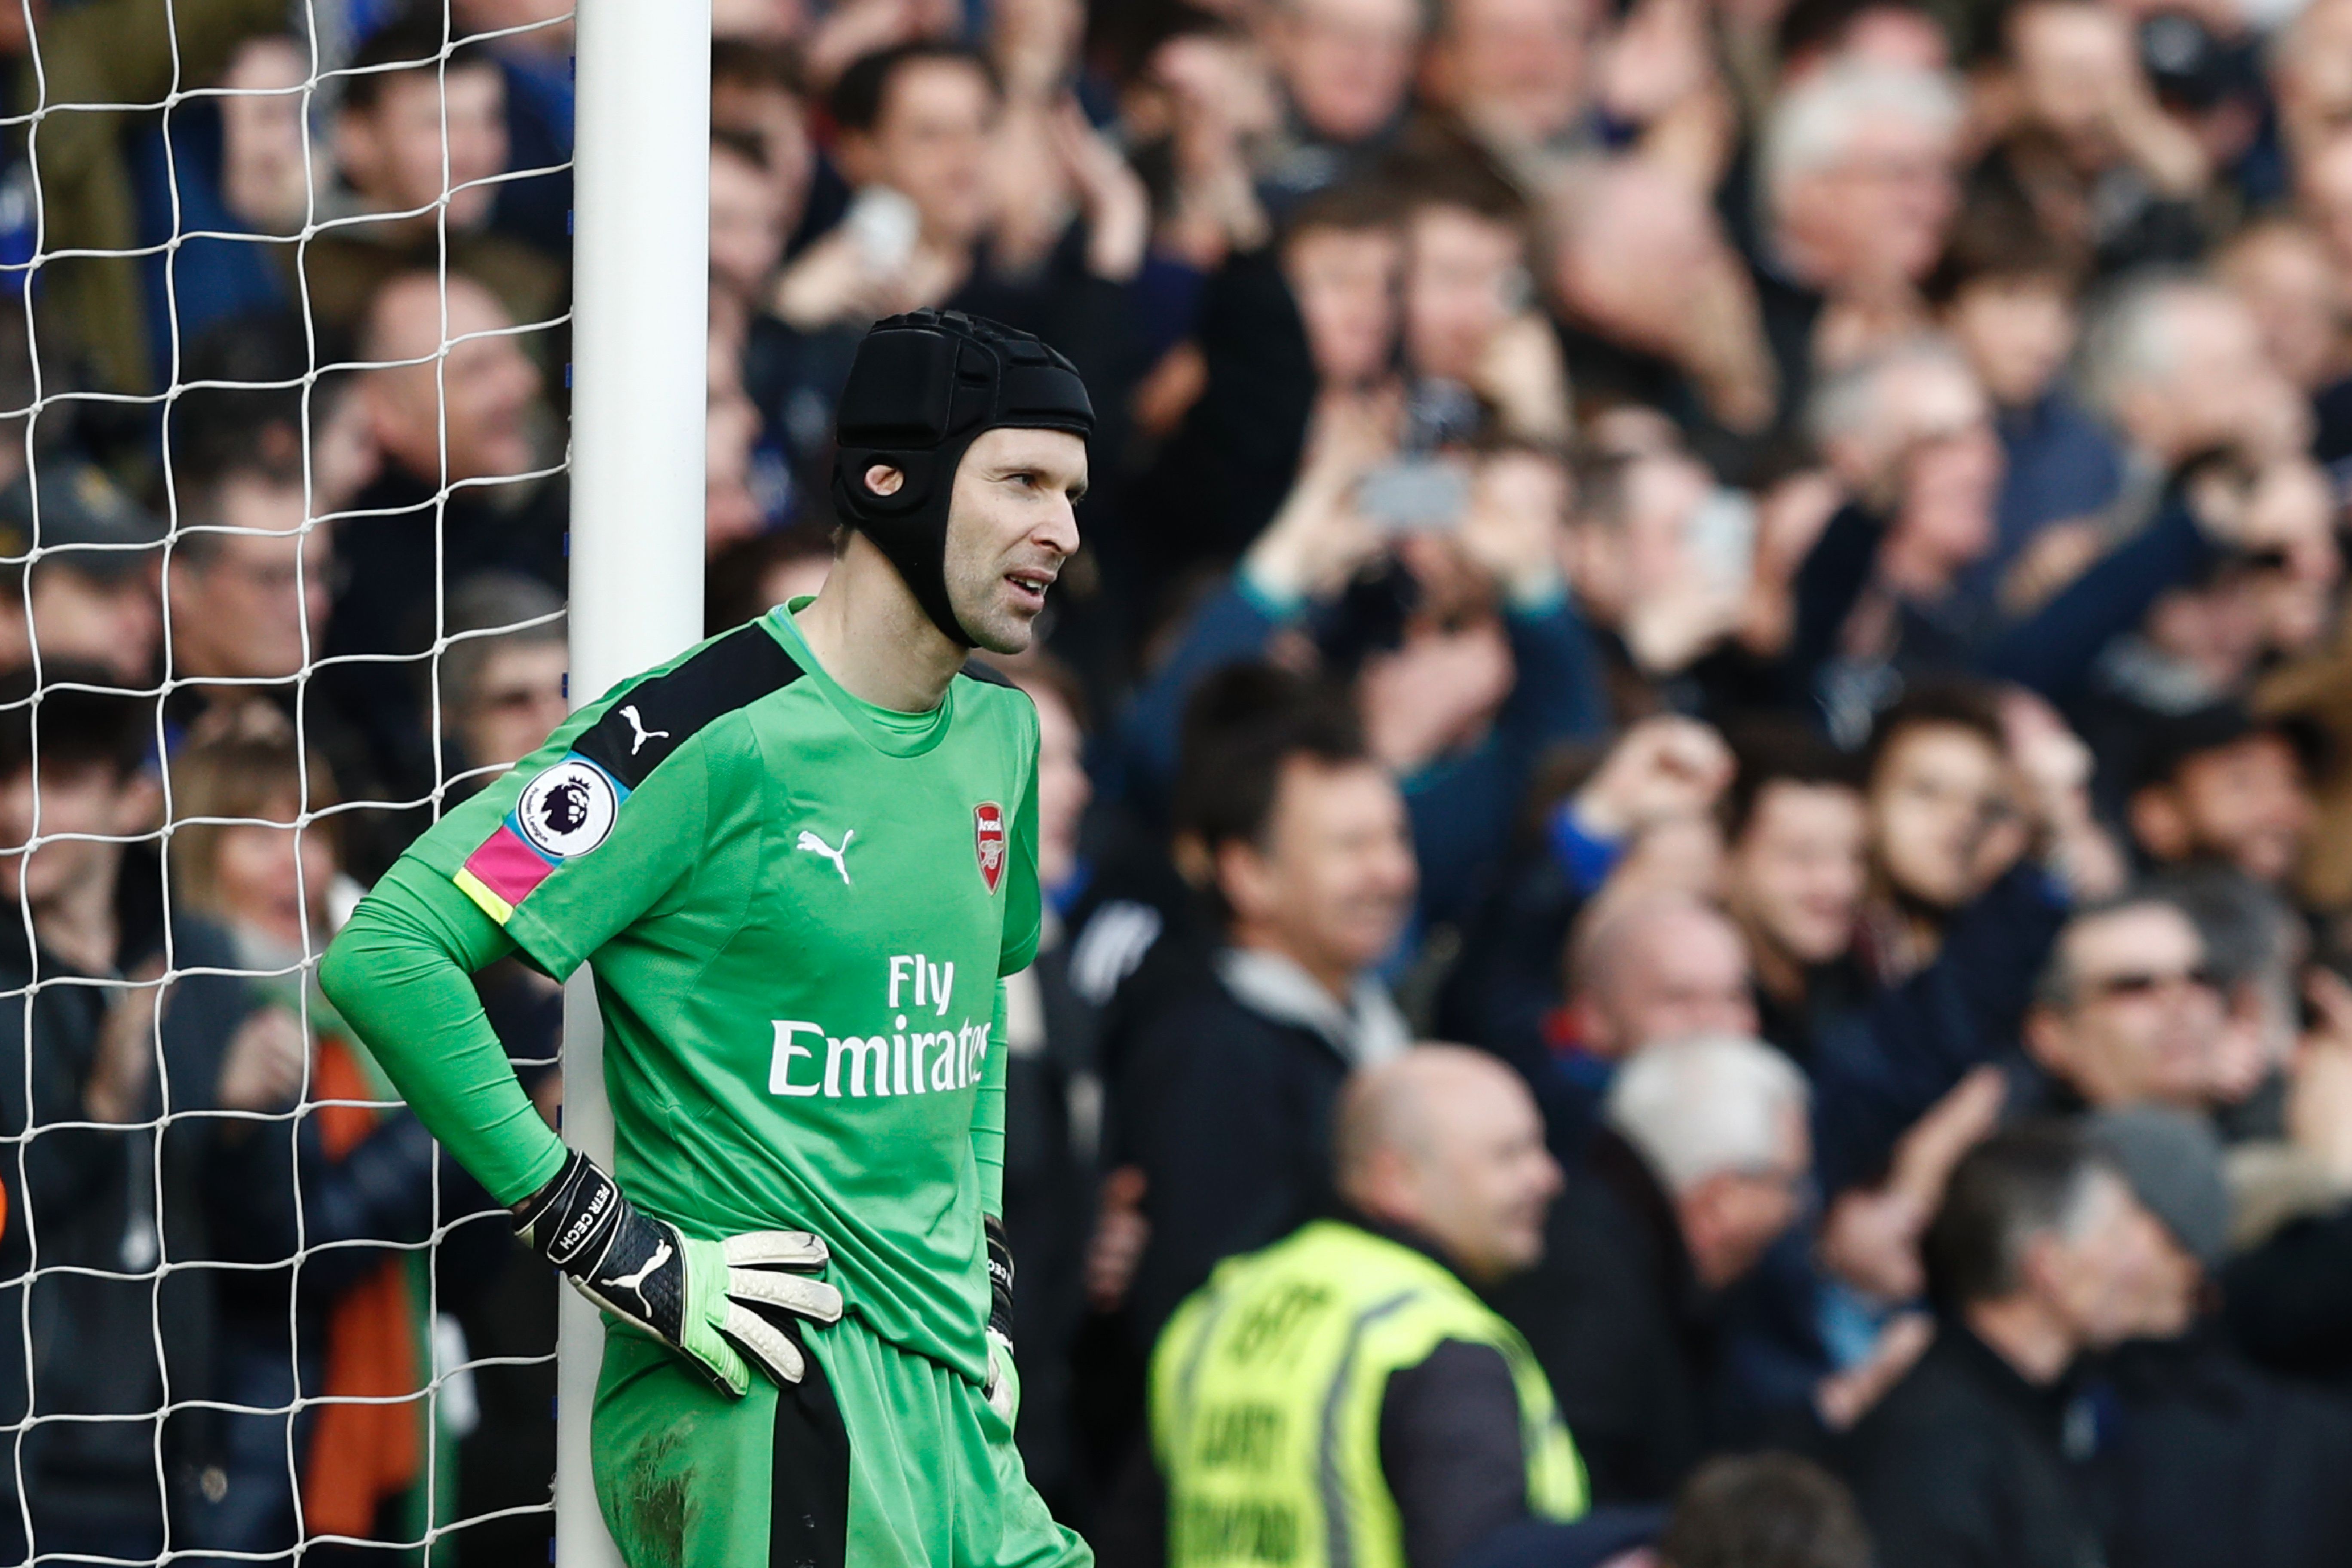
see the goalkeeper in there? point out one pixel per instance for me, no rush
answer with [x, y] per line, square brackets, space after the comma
[799, 860]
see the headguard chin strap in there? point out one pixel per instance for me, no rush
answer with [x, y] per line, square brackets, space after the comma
[924, 386]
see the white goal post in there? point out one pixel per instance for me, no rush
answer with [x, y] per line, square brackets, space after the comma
[640, 336]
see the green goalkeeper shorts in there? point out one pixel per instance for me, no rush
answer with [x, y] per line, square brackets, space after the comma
[878, 1458]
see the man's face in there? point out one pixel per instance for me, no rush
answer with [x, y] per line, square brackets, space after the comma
[1877, 218]
[1346, 62]
[1937, 790]
[1485, 1178]
[1951, 473]
[1796, 872]
[930, 144]
[2144, 1017]
[747, 225]
[517, 704]
[1333, 883]
[393, 152]
[1345, 282]
[2017, 332]
[1681, 972]
[2222, 390]
[1459, 281]
[113, 618]
[1730, 1219]
[1516, 64]
[86, 799]
[1009, 527]
[481, 395]
[243, 611]
[2246, 802]
[2101, 1273]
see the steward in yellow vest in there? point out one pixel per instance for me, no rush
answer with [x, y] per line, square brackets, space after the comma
[1287, 1390]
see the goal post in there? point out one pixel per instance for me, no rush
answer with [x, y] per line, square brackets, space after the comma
[639, 386]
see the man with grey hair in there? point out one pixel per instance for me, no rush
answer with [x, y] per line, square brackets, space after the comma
[1701, 1165]
[2039, 1253]
[2175, 364]
[1907, 430]
[1858, 178]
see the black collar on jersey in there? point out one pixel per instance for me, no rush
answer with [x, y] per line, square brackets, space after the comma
[923, 388]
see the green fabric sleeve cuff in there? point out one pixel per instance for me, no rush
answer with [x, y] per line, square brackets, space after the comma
[400, 973]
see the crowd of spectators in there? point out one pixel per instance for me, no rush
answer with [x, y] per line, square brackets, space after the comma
[1774, 567]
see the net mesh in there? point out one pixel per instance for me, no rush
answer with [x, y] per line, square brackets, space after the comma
[284, 337]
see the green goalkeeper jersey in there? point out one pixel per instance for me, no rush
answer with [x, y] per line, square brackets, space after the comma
[796, 906]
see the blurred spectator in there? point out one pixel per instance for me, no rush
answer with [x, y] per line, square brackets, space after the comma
[1858, 190]
[534, 51]
[1290, 339]
[2217, 784]
[1223, 1104]
[1440, 1168]
[1764, 1508]
[1468, 329]
[2210, 1461]
[1658, 308]
[1346, 68]
[325, 1365]
[420, 139]
[1795, 831]
[83, 585]
[2130, 1011]
[2090, 154]
[2006, 295]
[771, 569]
[103, 1041]
[236, 166]
[456, 412]
[1514, 71]
[2039, 1254]
[2175, 366]
[502, 679]
[103, 53]
[1700, 1169]
[1549, 940]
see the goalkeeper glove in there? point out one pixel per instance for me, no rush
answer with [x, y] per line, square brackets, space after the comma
[1002, 1391]
[702, 1299]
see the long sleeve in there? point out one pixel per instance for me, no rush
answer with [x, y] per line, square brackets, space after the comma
[400, 973]
[988, 1115]
[1450, 1451]
[2053, 651]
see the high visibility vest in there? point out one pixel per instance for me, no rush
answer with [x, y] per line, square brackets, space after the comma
[1265, 1402]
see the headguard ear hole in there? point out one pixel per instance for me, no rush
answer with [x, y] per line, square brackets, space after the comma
[883, 480]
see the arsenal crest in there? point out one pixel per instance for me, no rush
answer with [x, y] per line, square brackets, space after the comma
[988, 841]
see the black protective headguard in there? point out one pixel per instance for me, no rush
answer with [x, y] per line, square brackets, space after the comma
[922, 389]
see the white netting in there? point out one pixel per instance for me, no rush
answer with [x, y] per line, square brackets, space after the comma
[286, 356]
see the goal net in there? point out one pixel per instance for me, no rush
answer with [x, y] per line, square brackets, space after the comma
[285, 339]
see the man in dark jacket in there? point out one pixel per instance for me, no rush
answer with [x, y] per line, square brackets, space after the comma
[2039, 1253]
[2205, 1461]
[1224, 1098]
[1697, 1171]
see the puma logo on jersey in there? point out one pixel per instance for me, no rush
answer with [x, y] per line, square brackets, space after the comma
[643, 734]
[840, 857]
